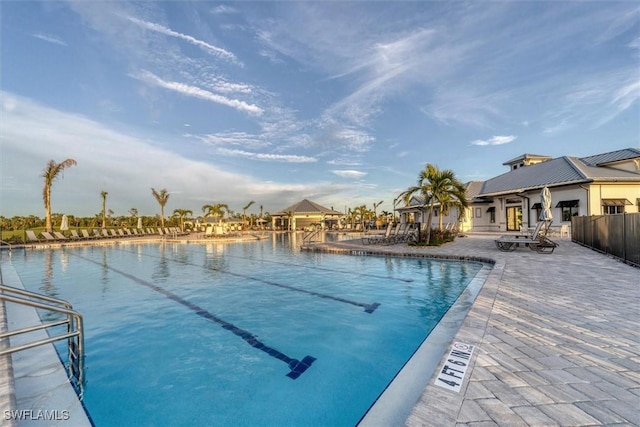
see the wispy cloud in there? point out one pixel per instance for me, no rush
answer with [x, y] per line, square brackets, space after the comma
[287, 158]
[196, 92]
[131, 170]
[217, 51]
[49, 39]
[349, 173]
[243, 139]
[222, 9]
[495, 140]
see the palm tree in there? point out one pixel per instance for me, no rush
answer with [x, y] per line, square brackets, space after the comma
[104, 194]
[375, 213]
[244, 211]
[181, 214]
[50, 173]
[289, 216]
[216, 210]
[162, 197]
[436, 186]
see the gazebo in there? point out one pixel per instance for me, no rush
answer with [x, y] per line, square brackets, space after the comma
[306, 214]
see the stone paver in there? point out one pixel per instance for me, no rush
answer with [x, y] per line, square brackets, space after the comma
[557, 338]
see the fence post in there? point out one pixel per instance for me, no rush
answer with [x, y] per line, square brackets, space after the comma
[624, 236]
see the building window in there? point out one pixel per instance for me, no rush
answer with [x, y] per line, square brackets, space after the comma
[569, 208]
[492, 214]
[614, 206]
[612, 210]
[478, 213]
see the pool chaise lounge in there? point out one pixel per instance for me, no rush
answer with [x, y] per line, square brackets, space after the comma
[537, 241]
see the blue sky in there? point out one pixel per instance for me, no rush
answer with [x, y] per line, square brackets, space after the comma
[342, 103]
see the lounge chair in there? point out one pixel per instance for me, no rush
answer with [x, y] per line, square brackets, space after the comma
[407, 233]
[32, 238]
[537, 241]
[392, 237]
[75, 235]
[59, 236]
[376, 238]
[86, 235]
[48, 236]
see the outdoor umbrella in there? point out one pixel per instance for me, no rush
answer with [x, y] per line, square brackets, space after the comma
[139, 223]
[64, 225]
[545, 202]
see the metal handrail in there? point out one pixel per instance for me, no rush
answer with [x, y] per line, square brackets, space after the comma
[74, 334]
[23, 292]
[311, 234]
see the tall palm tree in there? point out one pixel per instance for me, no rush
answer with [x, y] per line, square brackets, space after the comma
[104, 195]
[436, 186]
[181, 214]
[375, 212]
[162, 197]
[244, 211]
[50, 173]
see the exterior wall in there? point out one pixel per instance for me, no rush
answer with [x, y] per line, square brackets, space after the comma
[589, 197]
[599, 191]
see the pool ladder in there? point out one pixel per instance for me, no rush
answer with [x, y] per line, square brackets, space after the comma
[74, 333]
[310, 236]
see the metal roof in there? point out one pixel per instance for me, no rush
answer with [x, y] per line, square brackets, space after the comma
[307, 207]
[612, 157]
[562, 171]
[527, 156]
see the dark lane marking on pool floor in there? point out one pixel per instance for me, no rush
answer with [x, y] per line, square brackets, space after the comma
[368, 308]
[297, 366]
[333, 270]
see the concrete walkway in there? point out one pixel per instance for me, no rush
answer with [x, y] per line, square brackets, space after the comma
[557, 340]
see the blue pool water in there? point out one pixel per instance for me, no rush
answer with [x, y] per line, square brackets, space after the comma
[254, 333]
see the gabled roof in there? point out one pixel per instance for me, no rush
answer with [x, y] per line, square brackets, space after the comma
[562, 171]
[307, 207]
[525, 157]
[612, 157]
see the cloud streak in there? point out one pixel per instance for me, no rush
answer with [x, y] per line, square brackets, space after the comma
[495, 140]
[349, 173]
[287, 158]
[217, 51]
[196, 92]
[50, 39]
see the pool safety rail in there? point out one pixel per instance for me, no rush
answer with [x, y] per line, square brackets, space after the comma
[74, 333]
[311, 236]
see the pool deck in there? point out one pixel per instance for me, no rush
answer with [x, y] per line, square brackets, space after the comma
[556, 336]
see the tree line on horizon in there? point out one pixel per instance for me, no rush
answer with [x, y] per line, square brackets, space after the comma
[435, 186]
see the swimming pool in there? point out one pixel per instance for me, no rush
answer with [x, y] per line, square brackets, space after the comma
[242, 334]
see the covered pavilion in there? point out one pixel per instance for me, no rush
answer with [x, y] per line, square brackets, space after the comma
[306, 214]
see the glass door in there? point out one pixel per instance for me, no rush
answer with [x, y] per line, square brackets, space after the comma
[514, 218]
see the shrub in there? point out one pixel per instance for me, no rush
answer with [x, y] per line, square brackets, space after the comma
[438, 237]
